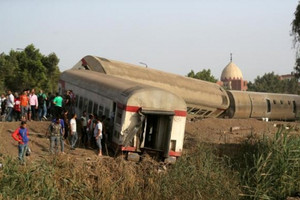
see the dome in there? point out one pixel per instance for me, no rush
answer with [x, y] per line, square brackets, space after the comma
[231, 71]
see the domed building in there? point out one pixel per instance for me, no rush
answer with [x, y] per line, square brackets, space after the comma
[232, 77]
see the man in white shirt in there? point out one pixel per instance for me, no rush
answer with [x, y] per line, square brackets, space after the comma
[98, 135]
[73, 131]
[10, 105]
[33, 100]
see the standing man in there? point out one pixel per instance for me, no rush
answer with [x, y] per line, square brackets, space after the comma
[21, 136]
[3, 104]
[10, 105]
[33, 104]
[24, 105]
[98, 135]
[58, 102]
[84, 136]
[17, 107]
[56, 135]
[42, 98]
[73, 131]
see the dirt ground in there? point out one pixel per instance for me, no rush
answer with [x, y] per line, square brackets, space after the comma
[213, 131]
[38, 142]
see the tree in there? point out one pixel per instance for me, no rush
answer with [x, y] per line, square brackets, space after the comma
[204, 75]
[28, 69]
[296, 34]
[270, 82]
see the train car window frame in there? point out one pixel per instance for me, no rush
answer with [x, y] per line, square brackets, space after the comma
[95, 110]
[80, 102]
[106, 112]
[100, 110]
[268, 105]
[119, 115]
[294, 107]
[207, 113]
[76, 102]
[85, 104]
[90, 106]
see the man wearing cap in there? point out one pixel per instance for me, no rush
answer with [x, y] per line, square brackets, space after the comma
[21, 136]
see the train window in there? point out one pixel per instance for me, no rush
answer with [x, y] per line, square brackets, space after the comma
[115, 133]
[202, 112]
[189, 109]
[106, 112]
[194, 111]
[85, 104]
[268, 105]
[100, 111]
[95, 108]
[90, 108]
[274, 101]
[224, 100]
[80, 103]
[294, 107]
[173, 145]
[76, 101]
[119, 115]
[207, 113]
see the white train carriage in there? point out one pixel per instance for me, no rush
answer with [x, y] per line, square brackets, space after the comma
[144, 118]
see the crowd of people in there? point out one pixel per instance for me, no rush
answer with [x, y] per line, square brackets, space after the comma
[26, 105]
[64, 126]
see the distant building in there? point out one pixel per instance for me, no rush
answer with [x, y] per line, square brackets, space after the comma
[232, 77]
[287, 76]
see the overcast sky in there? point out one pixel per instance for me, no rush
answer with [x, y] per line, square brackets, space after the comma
[170, 35]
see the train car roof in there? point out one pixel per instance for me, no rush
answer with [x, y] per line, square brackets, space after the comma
[119, 89]
[194, 91]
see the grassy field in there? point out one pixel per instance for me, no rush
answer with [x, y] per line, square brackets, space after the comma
[265, 168]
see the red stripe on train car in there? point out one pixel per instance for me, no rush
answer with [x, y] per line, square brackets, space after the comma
[174, 153]
[128, 148]
[180, 113]
[131, 108]
[83, 62]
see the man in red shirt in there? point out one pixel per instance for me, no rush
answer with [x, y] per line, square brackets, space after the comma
[21, 136]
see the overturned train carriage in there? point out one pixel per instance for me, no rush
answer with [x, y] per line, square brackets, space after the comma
[204, 99]
[142, 118]
[263, 105]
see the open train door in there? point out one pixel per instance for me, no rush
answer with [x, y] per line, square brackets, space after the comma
[156, 135]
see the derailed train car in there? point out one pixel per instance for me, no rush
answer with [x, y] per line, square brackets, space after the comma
[143, 118]
[263, 105]
[203, 99]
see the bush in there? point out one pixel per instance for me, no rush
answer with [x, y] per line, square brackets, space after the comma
[271, 169]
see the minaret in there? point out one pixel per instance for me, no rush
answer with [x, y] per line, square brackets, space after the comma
[230, 57]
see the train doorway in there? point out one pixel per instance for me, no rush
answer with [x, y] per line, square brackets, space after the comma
[156, 134]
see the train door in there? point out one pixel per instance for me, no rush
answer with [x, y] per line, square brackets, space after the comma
[157, 133]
